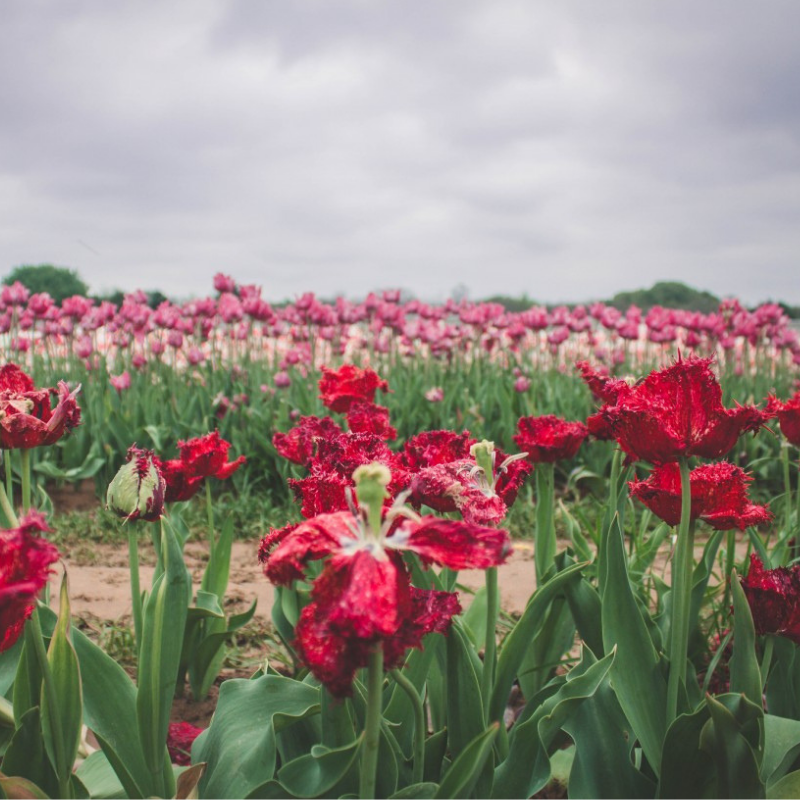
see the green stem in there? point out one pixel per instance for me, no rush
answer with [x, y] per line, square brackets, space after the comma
[7, 455]
[681, 597]
[8, 509]
[26, 479]
[490, 642]
[766, 661]
[730, 563]
[136, 592]
[787, 489]
[544, 548]
[156, 534]
[420, 728]
[372, 726]
[35, 640]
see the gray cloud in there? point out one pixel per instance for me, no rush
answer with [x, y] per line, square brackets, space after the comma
[567, 150]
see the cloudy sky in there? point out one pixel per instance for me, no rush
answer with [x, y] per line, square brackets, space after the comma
[568, 150]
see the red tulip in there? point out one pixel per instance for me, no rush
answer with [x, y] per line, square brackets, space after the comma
[719, 496]
[25, 561]
[26, 416]
[774, 598]
[788, 415]
[363, 595]
[339, 389]
[549, 438]
[677, 412]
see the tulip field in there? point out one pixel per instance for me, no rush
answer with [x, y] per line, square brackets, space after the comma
[372, 453]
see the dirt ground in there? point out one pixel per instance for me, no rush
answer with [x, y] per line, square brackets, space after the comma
[99, 580]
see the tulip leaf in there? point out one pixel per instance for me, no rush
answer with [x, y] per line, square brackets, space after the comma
[787, 788]
[15, 788]
[636, 673]
[421, 791]
[527, 768]
[781, 747]
[25, 755]
[464, 772]
[464, 705]
[313, 775]
[239, 746]
[745, 672]
[66, 723]
[586, 609]
[736, 762]
[516, 644]
[160, 653]
[100, 778]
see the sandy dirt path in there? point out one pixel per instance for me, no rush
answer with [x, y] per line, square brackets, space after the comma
[99, 581]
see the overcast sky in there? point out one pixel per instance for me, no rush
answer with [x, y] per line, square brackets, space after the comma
[567, 150]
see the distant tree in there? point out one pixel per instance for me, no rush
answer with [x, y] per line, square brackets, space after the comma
[156, 298]
[669, 294]
[58, 282]
[114, 296]
[514, 304]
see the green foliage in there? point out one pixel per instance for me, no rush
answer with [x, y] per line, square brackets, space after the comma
[668, 294]
[58, 282]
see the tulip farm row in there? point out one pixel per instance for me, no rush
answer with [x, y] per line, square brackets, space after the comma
[394, 445]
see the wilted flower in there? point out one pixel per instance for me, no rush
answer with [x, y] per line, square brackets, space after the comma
[26, 417]
[137, 490]
[364, 596]
[774, 599]
[719, 496]
[25, 561]
[549, 438]
[339, 389]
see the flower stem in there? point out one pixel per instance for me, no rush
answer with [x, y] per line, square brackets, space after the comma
[766, 661]
[544, 548]
[420, 727]
[26, 479]
[8, 509]
[35, 639]
[681, 596]
[787, 489]
[490, 643]
[136, 592]
[372, 727]
[7, 455]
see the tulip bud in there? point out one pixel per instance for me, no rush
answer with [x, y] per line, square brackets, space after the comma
[137, 491]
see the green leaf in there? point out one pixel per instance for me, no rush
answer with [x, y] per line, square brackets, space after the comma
[736, 763]
[66, 674]
[319, 771]
[516, 644]
[787, 788]
[25, 756]
[586, 609]
[28, 683]
[636, 674]
[474, 618]
[464, 703]
[162, 639]
[20, 789]
[100, 778]
[237, 621]
[215, 578]
[206, 605]
[527, 768]
[685, 771]
[239, 746]
[466, 769]
[745, 672]
[422, 791]
[781, 747]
